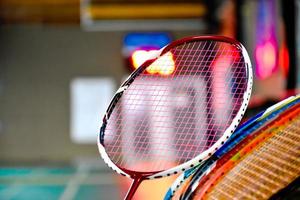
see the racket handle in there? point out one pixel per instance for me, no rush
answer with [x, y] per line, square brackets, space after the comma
[134, 186]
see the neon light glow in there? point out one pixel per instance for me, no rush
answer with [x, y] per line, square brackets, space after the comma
[266, 50]
[138, 45]
[266, 59]
[165, 65]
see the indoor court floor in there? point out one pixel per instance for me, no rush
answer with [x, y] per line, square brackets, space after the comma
[76, 182]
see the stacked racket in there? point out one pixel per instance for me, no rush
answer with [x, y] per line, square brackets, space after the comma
[290, 192]
[243, 134]
[259, 166]
[161, 124]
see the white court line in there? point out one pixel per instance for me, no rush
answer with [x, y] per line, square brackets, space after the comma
[75, 182]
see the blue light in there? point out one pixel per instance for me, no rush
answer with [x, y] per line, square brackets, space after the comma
[146, 41]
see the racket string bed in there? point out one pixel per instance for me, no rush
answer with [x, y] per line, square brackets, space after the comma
[290, 192]
[143, 141]
[271, 166]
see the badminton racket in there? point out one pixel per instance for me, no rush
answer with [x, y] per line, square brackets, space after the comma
[176, 109]
[266, 164]
[240, 133]
[244, 131]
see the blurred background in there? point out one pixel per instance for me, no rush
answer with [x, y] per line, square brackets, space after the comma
[62, 60]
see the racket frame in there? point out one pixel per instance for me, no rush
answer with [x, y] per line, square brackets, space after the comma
[204, 155]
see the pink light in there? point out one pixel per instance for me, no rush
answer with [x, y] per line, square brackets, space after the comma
[265, 59]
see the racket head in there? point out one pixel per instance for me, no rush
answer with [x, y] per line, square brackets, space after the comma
[256, 122]
[189, 62]
[289, 119]
[249, 130]
[248, 127]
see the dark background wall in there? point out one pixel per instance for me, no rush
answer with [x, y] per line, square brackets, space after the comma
[37, 64]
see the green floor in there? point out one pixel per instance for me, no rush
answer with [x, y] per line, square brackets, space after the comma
[64, 183]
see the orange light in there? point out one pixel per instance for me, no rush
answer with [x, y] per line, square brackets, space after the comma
[164, 65]
[140, 56]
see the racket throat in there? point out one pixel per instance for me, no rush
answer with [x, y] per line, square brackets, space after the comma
[134, 186]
